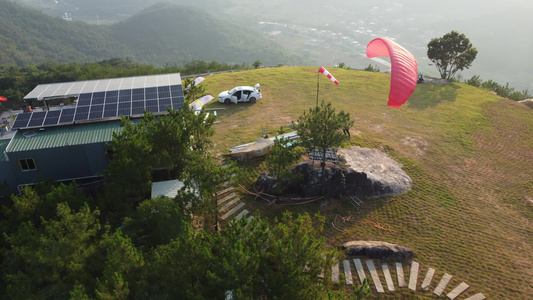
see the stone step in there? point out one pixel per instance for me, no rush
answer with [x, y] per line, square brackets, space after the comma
[360, 270]
[442, 284]
[229, 204]
[224, 191]
[232, 211]
[250, 218]
[226, 198]
[478, 296]
[428, 278]
[388, 278]
[347, 272]
[375, 276]
[400, 274]
[241, 214]
[335, 273]
[457, 290]
[413, 277]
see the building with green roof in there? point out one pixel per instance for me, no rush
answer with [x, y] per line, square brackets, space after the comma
[70, 143]
[57, 153]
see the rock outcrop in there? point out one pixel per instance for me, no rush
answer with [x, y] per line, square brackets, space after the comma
[378, 250]
[366, 172]
[254, 150]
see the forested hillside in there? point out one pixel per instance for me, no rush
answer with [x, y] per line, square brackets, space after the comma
[162, 34]
[166, 33]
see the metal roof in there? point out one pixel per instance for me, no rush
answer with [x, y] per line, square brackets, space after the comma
[67, 89]
[167, 188]
[3, 146]
[61, 136]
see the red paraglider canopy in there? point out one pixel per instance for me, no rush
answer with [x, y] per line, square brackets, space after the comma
[3, 99]
[403, 69]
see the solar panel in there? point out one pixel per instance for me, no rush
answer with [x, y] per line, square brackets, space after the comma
[98, 98]
[37, 119]
[67, 115]
[84, 100]
[82, 113]
[52, 118]
[96, 112]
[104, 99]
[110, 110]
[22, 120]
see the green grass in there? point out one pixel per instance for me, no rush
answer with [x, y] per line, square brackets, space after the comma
[469, 153]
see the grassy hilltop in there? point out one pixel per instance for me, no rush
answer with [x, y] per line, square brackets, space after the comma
[469, 152]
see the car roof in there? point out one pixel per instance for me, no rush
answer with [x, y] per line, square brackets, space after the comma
[244, 88]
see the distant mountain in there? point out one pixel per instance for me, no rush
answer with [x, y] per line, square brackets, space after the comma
[161, 34]
[181, 34]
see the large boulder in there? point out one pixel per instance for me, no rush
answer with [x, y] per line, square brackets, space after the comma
[254, 150]
[379, 169]
[378, 250]
[366, 172]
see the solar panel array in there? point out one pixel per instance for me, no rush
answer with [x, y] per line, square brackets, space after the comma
[107, 105]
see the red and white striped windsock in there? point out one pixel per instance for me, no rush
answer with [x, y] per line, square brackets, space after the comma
[325, 72]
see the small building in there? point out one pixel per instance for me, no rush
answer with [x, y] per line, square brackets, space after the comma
[68, 143]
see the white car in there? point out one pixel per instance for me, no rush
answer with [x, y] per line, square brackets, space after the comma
[240, 94]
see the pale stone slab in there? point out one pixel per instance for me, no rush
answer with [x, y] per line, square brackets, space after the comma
[400, 275]
[250, 218]
[360, 270]
[241, 214]
[457, 290]
[413, 277]
[478, 296]
[232, 211]
[375, 276]
[335, 273]
[222, 192]
[229, 204]
[347, 272]
[442, 284]
[226, 198]
[388, 278]
[427, 280]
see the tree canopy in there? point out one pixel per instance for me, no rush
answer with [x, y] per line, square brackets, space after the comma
[321, 128]
[451, 53]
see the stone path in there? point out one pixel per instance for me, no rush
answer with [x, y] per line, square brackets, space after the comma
[335, 273]
[442, 284]
[375, 276]
[229, 204]
[478, 296]
[347, 272]
[413, 278]
[457, 290]
[427, 280]
[360, 270]
[400, 275]
[388, 278]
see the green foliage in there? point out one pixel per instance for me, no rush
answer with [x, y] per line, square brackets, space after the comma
[320, 128]
[257, 64]
[474, 81]
[371, 68]
[158, 220]
[192, 91]
[166, 141]
[451, 53]
[51, 259]
[502, 90]
[281, 157]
